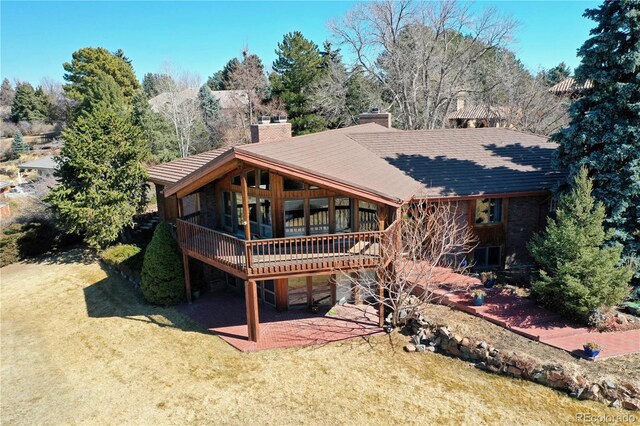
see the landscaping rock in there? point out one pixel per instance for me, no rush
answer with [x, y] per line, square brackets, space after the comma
[409, 348]
[465, 342]
[483, 345]
[420, 348]
[631, 404]
[514, 371]
[616, 404]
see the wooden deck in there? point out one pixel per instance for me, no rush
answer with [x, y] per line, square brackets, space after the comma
[280, 257]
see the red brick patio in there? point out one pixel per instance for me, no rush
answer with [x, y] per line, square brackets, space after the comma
[224, 314]
[524, 317]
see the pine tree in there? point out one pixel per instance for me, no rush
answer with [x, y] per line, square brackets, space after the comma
[101, 175]
[26, 105]
[604, 132]
[578, 274]
[298, 66]
[18, 146]
[556, 74]
[162, 277]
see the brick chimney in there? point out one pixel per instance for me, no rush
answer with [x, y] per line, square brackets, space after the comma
[460, 101]
[375, 116]
[270, 130]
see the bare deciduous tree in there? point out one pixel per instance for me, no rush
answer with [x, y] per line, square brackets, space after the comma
[421, 52]
[179, 108]
[424, 247]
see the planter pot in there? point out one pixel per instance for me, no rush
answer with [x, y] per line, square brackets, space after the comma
[489, 283]
[264, 119]
[195, 294]
[478, 300]
[591, 353]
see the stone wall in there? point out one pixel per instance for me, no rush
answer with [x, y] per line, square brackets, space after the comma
[209, 206]
[429, 337]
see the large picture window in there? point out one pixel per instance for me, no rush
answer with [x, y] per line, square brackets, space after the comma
[342, 214]
[367, 216]
[489, 210]
[318, 216]
[266, 227]
[487, 256]
[227, 210]
[295, 224]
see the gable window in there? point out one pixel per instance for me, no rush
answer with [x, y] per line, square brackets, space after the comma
[487, 256]
[295, 223]
[489, 210]
[342, 214]
[264, 180]
[251, 179]
[293, 185]
[367, 216]
[235, 180]
[318, 216]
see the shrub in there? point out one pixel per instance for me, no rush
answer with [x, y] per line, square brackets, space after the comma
[37, 238]
[578, 272]
[162, 270]
[126, 257]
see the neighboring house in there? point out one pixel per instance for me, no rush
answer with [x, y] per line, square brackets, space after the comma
[281, 217]
[5, 208]
[229, 99]
[476, 116]
[45, 166]
[569, 87]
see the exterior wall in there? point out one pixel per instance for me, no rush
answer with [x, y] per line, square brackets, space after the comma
[167, 207]
[527, 216]
[270, 132]
[209, 206]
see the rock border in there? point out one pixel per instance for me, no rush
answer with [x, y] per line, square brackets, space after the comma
[429, 337]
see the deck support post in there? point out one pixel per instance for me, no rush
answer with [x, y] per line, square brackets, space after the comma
[251, 300]
[333, 289]
[245, 207]
[187, 276]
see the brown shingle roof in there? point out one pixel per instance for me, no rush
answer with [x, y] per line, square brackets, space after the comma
[173, 171]
[468, 162]
[569, 85]
[474, 112]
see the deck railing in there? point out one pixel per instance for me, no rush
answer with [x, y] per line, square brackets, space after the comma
[282, 255]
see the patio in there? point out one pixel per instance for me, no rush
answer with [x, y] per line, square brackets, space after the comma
[224, 314]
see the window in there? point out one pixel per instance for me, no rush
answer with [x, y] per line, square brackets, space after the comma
[235, 180]
[318, 216]
[487, 256]
[313, 187]
[367, 216]
[227, 210]
[489, 210]
[553, 205]
[264, 180]
[342, 214]
[266, 229]
[253, 215]
[293, 185]
[294, 219]
[239, 215]
[251, 179]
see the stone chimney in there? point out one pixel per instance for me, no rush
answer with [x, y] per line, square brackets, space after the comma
[375, 116]
[460, 101]
[270, 130]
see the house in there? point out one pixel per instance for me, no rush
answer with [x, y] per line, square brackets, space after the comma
[570, 87]
[5, 207]
[476, 116]
[45, 166]
[228, 99]
[282, 215]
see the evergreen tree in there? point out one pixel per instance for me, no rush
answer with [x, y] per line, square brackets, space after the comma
[298, 66]
[604, 132]
[27, 106]
[156, 131]
[577, 273]
[102, 89]
[101, 175]
[18, 146]
[6, 93]
[89, 63]
[220, 79]
[152, 83]
[558, 73]
[162, 271]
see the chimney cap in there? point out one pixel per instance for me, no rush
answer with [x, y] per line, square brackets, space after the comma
[375, 110]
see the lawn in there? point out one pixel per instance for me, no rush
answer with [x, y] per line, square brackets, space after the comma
[81, 346]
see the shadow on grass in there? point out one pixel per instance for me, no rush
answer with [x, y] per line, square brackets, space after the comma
[77, 254]
[113, 296]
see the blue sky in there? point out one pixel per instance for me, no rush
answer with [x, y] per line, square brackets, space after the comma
[37, 37]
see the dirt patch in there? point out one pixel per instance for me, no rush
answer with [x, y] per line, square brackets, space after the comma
[81, 346]
[623, 368]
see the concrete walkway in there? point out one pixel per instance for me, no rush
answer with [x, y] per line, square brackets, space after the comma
[524, 317]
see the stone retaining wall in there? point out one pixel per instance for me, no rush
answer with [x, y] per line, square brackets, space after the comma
[428, 337]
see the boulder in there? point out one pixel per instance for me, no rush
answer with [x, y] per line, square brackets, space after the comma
[420, 348]
[514, 371]
[409, 348]
[631, 404]
[466, 342]
[616, 404]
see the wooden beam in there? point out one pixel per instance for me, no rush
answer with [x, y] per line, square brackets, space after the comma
[245, 206]
[333, 288]
[187, 276]
[251, 300]
[282, 294]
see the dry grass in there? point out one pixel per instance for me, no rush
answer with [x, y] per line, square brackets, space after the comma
[81, 347]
